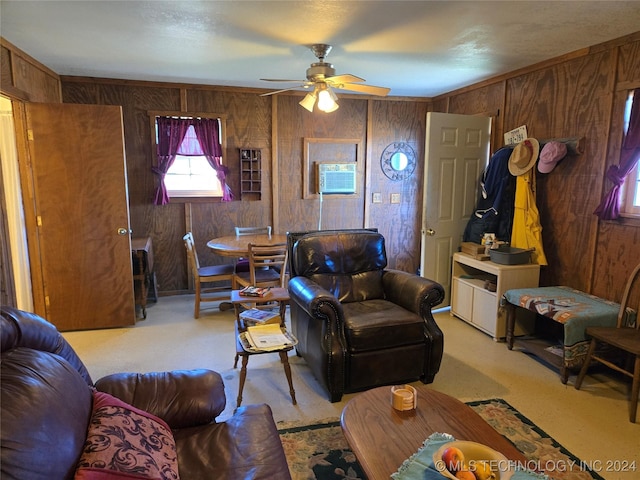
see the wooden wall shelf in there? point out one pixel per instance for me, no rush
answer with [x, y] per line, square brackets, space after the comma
[251, 173]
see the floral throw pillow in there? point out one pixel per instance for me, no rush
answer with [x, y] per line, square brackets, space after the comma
[124, 442]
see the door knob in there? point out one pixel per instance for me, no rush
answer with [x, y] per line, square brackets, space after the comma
[123, 231]
[431, 232]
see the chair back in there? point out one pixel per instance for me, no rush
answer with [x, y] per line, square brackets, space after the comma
[627, 315]
[192, 255]
[268, 264]
[293, 237]
[240, 231]
[348, 264]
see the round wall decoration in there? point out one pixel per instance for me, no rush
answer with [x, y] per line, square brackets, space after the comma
[398, 161]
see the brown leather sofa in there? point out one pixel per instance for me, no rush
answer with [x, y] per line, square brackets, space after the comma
[46, 401]
[359, 324]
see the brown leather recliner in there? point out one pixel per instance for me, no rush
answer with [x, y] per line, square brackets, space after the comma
[359, 324]
[46, 402]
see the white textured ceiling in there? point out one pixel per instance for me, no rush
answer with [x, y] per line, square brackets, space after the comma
[417, 48]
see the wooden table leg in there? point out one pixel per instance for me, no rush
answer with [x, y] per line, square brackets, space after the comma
[284, 358]
[235, 361]
[511, 322]
[243, 377]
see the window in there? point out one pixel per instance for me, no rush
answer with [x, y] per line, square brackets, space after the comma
[192, 175]
[631, 190]
[188, 156]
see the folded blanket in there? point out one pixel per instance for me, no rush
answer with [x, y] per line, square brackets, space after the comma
[420, 465]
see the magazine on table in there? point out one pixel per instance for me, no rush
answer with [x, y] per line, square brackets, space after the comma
[256, 316]
[252, 291]
[268, 337]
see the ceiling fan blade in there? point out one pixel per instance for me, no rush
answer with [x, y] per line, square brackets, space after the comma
[283, 90]
[370, 89]
[345, 78]
[280, 80]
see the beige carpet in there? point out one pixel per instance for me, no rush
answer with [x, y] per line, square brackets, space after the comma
[592, 423]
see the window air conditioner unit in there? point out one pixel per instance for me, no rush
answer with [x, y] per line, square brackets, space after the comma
[337, 177]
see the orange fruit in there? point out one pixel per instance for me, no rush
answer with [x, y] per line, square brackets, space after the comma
[465, 475]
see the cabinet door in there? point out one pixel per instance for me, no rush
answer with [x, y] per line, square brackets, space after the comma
[462, 299]
[485, 310]
[82, 210]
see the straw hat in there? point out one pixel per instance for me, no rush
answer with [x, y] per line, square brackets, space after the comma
[550, 155]
[524, 156]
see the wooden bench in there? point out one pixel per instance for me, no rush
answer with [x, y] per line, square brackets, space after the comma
[573, 309]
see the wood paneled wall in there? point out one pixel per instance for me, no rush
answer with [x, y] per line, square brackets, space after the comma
[580, 94]
[251, 123]
[248, 124]
[24, 78]
[399, 223]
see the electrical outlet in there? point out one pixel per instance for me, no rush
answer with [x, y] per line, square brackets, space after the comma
[395, 198]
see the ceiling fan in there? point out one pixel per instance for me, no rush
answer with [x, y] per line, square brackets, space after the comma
[322, 77]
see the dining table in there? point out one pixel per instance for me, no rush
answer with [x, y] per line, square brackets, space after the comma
[238, 245]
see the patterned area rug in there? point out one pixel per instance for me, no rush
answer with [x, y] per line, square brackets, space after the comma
[320, 451]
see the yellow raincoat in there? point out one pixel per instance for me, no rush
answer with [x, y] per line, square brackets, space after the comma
[526, 231]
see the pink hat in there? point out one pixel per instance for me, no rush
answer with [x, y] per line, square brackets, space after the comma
[550, 155]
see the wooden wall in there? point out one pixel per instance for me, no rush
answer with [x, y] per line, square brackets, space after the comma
[580, 94]
[260, 122]
[23, 77]
[248, 124]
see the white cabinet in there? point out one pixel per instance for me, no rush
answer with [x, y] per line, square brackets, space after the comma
[475, 304]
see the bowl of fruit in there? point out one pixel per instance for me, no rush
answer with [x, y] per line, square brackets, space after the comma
[462, 460]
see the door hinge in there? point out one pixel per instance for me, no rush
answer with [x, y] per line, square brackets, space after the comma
[47, 303]
[39, 220]
[30, 134]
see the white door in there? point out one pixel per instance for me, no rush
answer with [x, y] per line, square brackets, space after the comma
[456, 154]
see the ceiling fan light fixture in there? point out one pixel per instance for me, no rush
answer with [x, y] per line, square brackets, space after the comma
[322, 76]
[327, 100]
[309, 101]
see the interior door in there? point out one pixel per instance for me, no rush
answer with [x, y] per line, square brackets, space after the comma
[82, 212]
[456, 153]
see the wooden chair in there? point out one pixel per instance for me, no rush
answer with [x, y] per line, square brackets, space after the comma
[213, 273]
[267, 266]
[240, 231]
[242, 264]
[623, 337]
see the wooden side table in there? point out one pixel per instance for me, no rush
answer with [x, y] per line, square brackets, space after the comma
[144, 276]
[280, 295]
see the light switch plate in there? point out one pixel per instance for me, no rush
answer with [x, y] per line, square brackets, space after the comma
[395, 198]
[377, 198]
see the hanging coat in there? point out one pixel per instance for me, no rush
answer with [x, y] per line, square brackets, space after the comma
[494, 207]
[527, 231]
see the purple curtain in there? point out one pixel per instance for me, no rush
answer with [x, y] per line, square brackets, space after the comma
[609, 208]
[207, 132]
[171, 132]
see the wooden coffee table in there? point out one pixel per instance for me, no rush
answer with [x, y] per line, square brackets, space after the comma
[382, 437]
